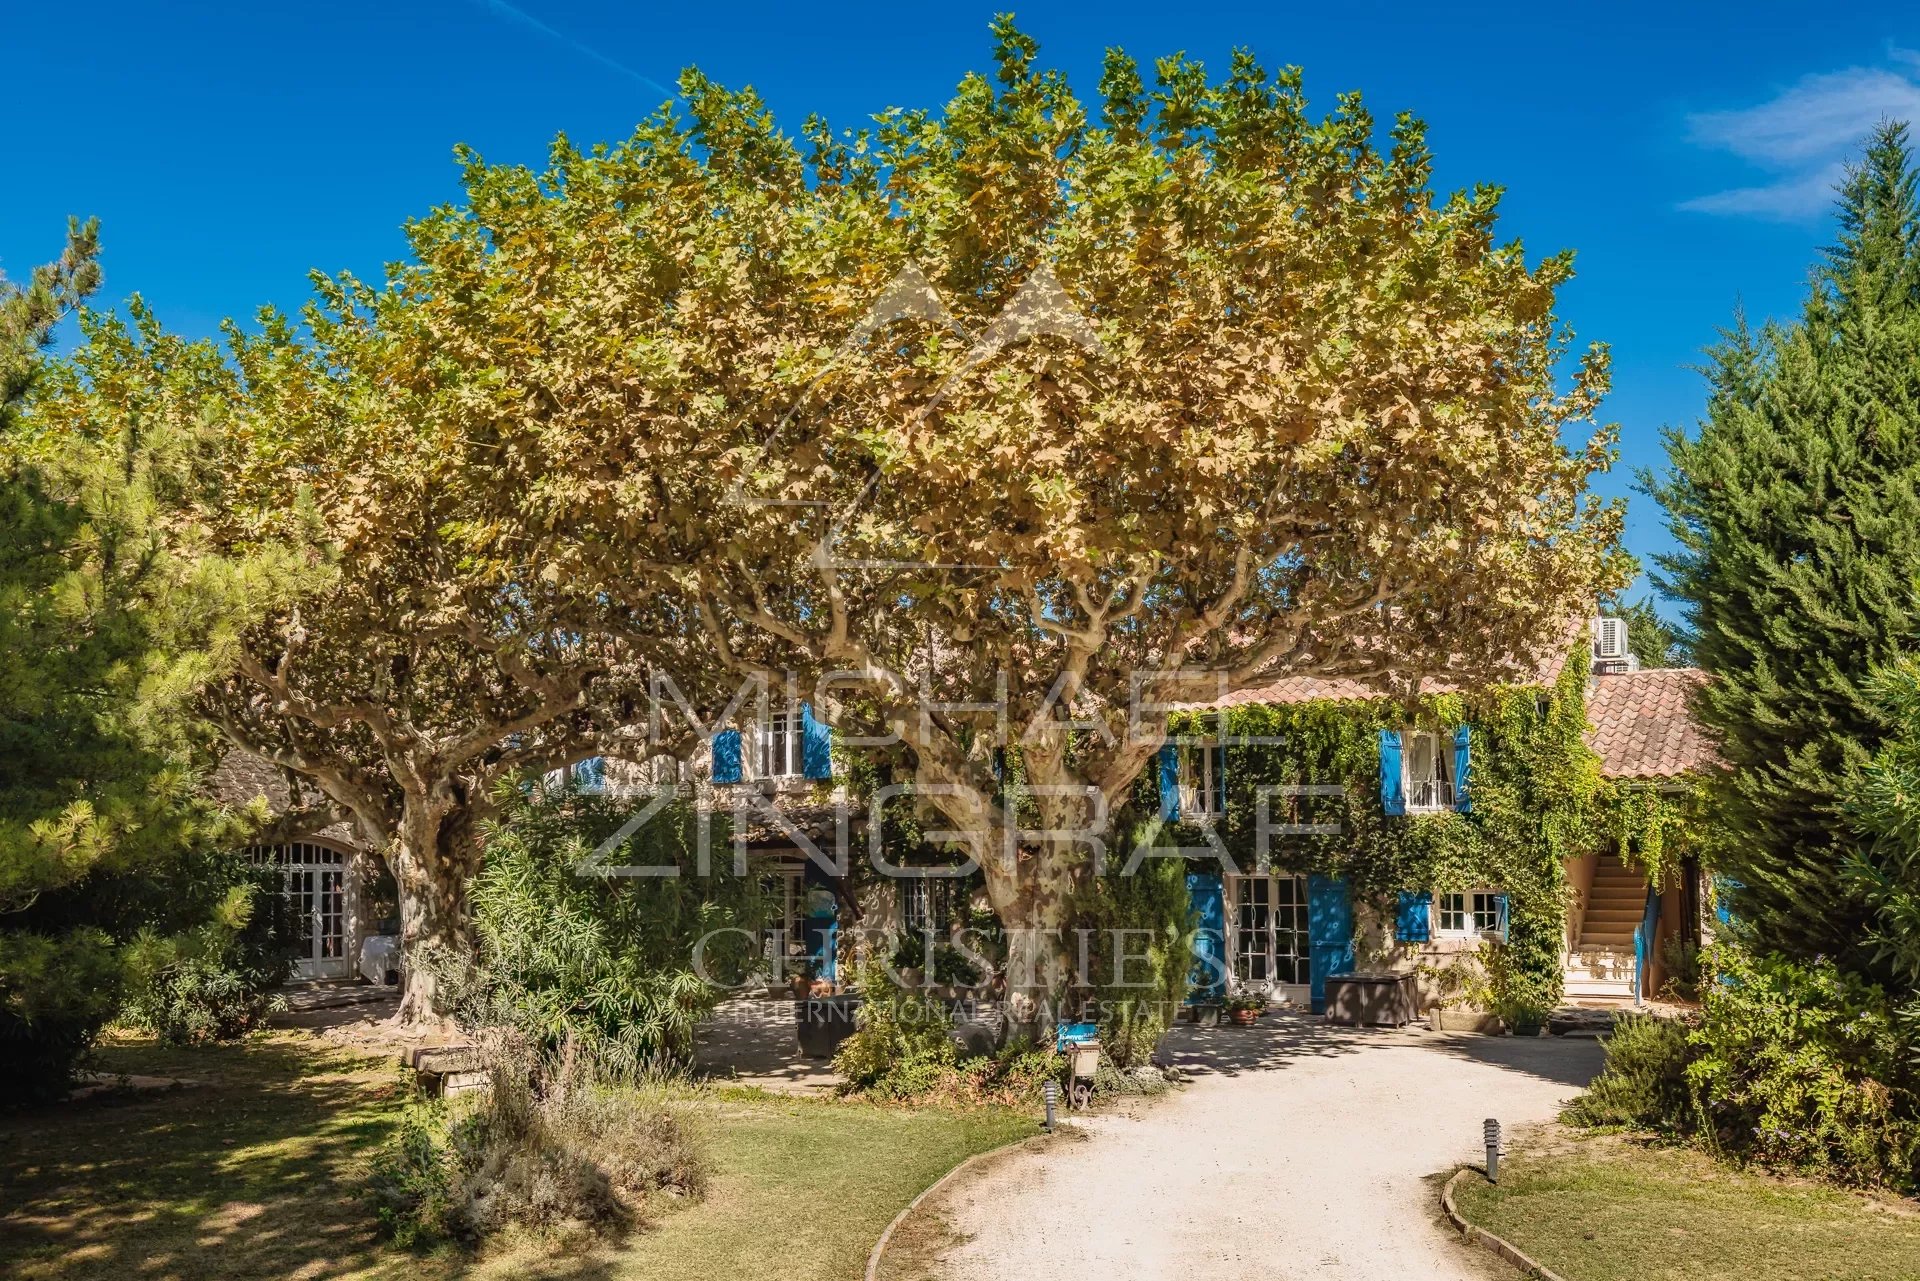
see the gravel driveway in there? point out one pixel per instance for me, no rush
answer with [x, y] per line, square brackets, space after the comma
[1299, 1150]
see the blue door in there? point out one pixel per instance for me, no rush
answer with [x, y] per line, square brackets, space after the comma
[1209, 978]
[1329, 932]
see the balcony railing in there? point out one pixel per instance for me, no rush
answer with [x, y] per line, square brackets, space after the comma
[1430, 794]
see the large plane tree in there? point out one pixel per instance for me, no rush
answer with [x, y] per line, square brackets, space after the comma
[399, 680]
[1028, 422]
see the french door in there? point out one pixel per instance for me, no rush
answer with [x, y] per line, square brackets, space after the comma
[1270, 944]
[313, 880]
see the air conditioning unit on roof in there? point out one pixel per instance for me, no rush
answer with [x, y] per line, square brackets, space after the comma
[1610, 652]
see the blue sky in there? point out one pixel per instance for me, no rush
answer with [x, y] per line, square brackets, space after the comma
[1685, 152]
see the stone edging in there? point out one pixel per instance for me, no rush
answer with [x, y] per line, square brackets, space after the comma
[880, 1246]
[1478, 1236]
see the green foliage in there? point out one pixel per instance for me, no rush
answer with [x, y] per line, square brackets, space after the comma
[1644, 1084]
[1535, 785]
[1805, 1067]
[549, 1147]
[106, 617]
[904, 1051]
[1650, 638]
[1883, 801]
[903, 1046]
[217, 982]
[1658, 829]
[569, 947]
[1796, 507]
[1142, 933]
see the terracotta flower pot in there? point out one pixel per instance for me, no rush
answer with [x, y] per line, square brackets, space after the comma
[1243, 1018]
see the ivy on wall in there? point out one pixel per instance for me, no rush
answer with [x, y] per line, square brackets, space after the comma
[1657, 829]
[1538, 800]
[1535, 787]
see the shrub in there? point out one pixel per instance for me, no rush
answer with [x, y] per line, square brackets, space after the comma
[904, 1051]
[567, 950]
[1644, 1083]
[1682, 957]
[903, 1045]
[551, 1147]
[1803, 1067]
[218, 982]
[1149, 917]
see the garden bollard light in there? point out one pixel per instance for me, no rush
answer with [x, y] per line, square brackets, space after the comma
[1053, 1097]
[1492, 1129]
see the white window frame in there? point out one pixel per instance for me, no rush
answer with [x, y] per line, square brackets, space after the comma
[1298, 963]
[1477, 913]
[1433, 794]
[320, 896]
[780, 729]
[1199, 789]
[781, 941]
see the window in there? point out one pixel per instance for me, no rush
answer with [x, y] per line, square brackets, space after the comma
[1270, 930]
[1428, 762]
[931, 904]
[780, 748]
[1471, 912]
[1200, 780]
[782, 942]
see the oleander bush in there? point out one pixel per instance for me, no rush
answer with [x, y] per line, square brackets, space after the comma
[1805, 1067]
[219, 982]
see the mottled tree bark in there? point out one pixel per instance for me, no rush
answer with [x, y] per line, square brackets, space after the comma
[433, 856]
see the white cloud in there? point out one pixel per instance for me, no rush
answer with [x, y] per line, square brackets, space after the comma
[1804, 135]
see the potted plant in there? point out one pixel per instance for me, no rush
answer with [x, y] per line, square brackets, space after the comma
[1244, 1007]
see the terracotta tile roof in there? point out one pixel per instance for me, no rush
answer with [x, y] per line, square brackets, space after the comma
[1311, 689]
[1642, 727]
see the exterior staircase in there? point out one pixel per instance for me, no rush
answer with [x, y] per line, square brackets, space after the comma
[1600, 966]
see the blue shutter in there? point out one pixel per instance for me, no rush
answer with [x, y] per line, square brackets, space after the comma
[1462, 767]
[590, 775]
[1500, 906]
[726, 756]
[1329, 933]
[1170, 783]
[1413, 917]
[1393, 782]
[816, 745]
[1724, 888]
[1208, 981]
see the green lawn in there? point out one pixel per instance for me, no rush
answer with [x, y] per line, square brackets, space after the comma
[255, 1174]
[1601, 1208]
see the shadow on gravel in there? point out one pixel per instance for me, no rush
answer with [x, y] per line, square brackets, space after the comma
[1285, 1037]
[1571, 1061]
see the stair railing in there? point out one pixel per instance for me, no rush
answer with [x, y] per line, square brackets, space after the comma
[1643, 936]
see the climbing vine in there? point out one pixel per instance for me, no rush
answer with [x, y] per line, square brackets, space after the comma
[1656, 829]
[1534, 785]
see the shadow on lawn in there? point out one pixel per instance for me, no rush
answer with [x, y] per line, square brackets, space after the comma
[255, 1172]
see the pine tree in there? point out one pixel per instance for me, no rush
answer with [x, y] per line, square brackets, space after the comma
[1797, 511]
[101, 836]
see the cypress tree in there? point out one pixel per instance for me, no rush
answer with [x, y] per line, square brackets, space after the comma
[1797, 511]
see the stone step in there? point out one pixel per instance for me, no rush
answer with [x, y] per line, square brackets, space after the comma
[1587, 989]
